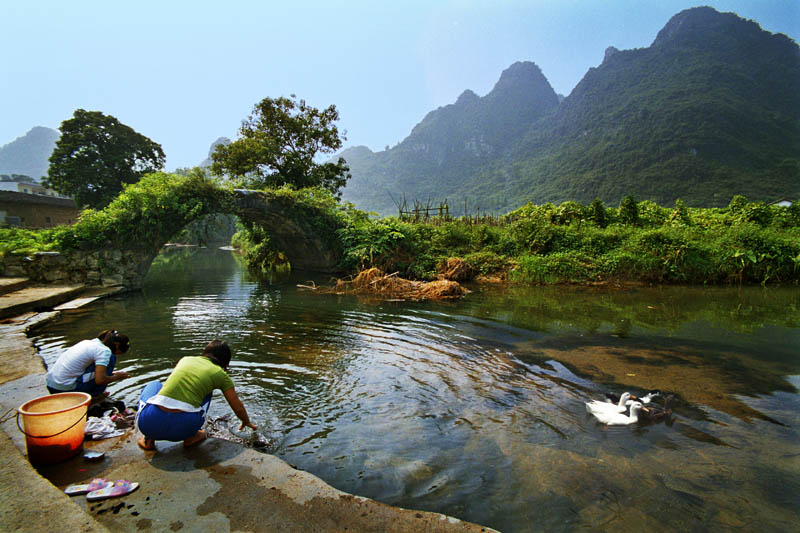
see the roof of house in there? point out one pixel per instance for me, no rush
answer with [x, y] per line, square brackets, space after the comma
[40, 199]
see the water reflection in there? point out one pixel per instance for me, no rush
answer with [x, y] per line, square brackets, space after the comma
[475, 408]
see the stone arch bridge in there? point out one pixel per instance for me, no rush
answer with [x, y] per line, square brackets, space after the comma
[307, 238]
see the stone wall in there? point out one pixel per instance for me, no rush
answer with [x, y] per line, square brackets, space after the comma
[126, 268]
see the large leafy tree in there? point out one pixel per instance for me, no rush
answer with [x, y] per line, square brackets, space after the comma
[278, 146]
[96, 155]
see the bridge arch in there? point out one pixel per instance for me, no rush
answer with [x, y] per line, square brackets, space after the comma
[117, 246]
[306, 235]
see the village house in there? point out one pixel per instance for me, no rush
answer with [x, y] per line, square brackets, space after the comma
[30, 205]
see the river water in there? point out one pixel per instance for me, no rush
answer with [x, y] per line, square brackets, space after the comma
[475, 408]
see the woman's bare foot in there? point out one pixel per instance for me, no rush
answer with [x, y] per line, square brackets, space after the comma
[198, 437]
[146, 444]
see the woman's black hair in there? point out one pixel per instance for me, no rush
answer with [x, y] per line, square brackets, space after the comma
[218, 352]
[113, 337]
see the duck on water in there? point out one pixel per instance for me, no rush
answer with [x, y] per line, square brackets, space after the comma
[605, 411]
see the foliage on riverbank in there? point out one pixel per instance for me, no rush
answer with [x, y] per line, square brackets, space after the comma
[638, 241]
[747, 242]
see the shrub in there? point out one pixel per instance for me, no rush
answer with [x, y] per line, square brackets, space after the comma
[554, 268]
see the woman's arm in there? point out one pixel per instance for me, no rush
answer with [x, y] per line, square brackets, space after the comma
[101, 378]
[238, 408]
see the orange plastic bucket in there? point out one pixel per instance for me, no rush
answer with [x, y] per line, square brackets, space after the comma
[53, 426]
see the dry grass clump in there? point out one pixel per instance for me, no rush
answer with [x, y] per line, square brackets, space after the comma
[374, 282]
[455, 269]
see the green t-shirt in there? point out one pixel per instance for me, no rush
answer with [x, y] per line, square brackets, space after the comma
[193, 379]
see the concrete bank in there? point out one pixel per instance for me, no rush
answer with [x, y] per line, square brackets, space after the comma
[215, 486]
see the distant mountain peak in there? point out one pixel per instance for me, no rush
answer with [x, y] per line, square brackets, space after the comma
[695, 23]
[610, 51]
[29, 154]
[521, 74]
[213, 148]
[467, 97]
[224, 141]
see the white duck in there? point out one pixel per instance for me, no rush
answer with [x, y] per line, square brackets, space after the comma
[597, 406]
[620, 419]
[646, 399]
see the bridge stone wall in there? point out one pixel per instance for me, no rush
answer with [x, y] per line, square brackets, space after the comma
[303, 246]
[290, 230]
[126, 268]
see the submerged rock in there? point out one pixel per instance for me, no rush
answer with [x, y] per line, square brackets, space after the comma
[217, 427]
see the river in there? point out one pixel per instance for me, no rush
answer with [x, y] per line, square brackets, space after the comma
[475, 408]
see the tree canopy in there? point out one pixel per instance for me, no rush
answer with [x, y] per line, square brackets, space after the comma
[96, 155]
[278, 146]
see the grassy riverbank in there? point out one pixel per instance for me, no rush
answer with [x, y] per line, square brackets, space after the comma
[638, 241]
[746, 242]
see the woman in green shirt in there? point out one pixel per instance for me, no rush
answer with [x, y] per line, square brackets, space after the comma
[176, 410]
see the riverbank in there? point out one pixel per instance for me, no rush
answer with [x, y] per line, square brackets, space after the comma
[216, 486]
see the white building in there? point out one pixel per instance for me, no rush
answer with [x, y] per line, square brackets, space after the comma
[29, 188]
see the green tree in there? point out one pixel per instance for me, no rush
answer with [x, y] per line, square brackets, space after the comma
[629, 210]
[96, 155]
[598, 212]
[278, 146]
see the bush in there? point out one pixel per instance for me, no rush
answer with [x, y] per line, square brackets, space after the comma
[486, 263]
[26, 241]
[147, 213]
[554, 268]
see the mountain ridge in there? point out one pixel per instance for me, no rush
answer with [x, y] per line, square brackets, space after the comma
[707, 111]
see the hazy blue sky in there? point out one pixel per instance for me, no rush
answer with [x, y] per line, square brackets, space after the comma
[187, 72]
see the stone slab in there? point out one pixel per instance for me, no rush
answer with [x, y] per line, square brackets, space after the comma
[77, 303]
[18, 357]
[12, 284]
[28, 502]
[34, 298]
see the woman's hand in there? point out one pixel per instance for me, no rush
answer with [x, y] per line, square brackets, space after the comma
[238, 408]
[121, 375]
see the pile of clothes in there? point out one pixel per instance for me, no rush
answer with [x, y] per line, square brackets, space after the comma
[108, 418]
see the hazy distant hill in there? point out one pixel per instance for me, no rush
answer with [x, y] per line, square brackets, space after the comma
[451, 142]
[207, 161]
[29, 154]
[709, 110]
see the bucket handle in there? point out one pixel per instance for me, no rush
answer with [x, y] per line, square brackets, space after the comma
[48, 436]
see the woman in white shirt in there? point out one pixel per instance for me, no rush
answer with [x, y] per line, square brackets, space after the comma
[89, 365]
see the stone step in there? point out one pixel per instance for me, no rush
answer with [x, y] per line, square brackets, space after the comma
[12, 284]
[88, 296]
[37, 298]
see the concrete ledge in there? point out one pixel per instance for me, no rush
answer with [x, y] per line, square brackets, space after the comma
[28, 502]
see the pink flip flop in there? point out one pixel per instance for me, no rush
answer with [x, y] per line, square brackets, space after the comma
[96, 484]
[120, 487]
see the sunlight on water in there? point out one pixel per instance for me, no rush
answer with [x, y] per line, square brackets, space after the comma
[476, 408]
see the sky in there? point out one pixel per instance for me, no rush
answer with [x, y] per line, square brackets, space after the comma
[185, 73]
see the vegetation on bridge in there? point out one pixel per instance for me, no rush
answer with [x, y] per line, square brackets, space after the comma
[145, 214]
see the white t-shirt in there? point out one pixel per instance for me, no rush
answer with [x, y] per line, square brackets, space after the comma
[72, 364]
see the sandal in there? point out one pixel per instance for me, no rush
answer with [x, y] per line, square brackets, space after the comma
[96, 484]
[120, 487]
